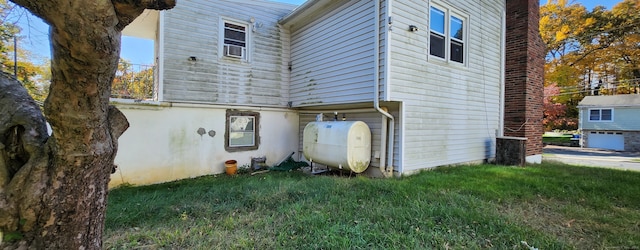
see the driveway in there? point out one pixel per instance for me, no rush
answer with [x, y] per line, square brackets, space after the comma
[593, 157]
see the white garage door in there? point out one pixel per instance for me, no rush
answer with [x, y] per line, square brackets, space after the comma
[606, 140]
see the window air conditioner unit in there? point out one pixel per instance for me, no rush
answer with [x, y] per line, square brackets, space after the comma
[234, 51]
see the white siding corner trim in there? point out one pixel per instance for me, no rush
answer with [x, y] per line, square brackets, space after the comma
[159, 59]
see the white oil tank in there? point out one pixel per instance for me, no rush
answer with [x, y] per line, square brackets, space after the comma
[338, 144]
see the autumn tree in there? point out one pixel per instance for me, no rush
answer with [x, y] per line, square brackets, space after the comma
[33, 77]
[28, 73]
[624, 30]
[53, 189]
[133, 81]
[559, 26]
[8, 30]
[554, 112]
[586, 47]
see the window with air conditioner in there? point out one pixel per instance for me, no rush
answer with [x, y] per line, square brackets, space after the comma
[235, 38]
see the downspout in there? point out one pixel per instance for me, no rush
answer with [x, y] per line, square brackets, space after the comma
[386, 169]
[503, 43]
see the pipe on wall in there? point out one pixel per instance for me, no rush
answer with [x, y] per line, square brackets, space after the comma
[385, 167]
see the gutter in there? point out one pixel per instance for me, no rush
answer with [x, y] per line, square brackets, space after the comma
[607, 106]
[385, 167]
[307, 6]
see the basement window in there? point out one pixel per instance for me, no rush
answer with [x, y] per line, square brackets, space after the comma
[242, 131]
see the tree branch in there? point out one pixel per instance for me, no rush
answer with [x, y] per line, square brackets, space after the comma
[22, 130]
[117, 122]
[587, 53]
[128, 10]
[23, 135]
[41, 9]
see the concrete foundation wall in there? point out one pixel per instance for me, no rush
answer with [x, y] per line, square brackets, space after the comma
[163, 144]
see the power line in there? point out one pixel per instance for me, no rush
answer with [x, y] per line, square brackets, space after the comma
[602, 90]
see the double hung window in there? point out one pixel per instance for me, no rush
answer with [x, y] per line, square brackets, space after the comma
[235, 39]
[447, 34]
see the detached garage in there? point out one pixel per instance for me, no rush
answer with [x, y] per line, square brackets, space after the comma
[606, 140]
[610, 122]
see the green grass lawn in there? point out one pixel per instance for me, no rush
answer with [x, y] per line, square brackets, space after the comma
[548, 206]
[557, 138]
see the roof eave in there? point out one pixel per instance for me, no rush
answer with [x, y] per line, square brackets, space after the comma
[608, 105]
[303, 10]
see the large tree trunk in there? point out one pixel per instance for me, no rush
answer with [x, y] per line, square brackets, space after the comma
[53, 191]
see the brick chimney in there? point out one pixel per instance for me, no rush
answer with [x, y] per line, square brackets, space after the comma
[524, 76]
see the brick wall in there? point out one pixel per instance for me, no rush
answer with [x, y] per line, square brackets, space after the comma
[524, 74]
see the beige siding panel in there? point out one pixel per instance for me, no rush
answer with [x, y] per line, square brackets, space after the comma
[451, 111]
[332, 57]
[192, 29]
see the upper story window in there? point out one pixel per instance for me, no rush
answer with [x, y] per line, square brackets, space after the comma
[235, 38]
[601, 115]
[447, 34]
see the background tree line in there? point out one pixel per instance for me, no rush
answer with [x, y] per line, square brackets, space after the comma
[132, 81]
[588, 52]
[35, 78]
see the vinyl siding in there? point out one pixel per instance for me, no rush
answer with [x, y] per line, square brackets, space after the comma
[382, 63]
[333, 57]
[624, 119]
[451, 111]
[192, 29]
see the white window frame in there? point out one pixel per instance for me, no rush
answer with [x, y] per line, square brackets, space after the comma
[450, 12]
[221, 40]
[599, 118]
[249, 133]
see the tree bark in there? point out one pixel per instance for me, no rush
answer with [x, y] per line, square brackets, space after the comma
[53, 190]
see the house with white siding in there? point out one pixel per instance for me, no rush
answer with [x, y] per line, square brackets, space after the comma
[610, 122]
[241, 79]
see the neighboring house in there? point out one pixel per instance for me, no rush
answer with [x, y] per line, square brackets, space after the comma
[610, 122]
[241, 79]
